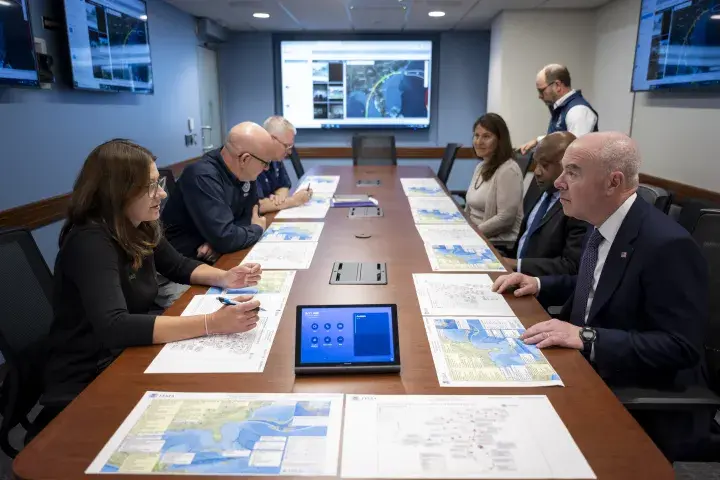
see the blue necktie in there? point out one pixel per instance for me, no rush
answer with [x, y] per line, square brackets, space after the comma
[585, 277]
[542, 210]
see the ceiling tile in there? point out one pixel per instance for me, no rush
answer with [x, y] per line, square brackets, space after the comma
[334, 13]
[418, 18]
[574, 3]
[378, 16]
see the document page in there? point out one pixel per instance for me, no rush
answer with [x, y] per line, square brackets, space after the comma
[435, 210]
[226, 434]
[486, 352]
[319, 183]
[422, 187]
[459, 294]
[316, 207]
[447, 257]
[293, 232]
[228, 353]
[461, 234]
[272, 281]
[457, 436]
[282, 255]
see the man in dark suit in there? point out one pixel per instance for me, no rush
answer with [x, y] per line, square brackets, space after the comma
[549, 242]
[638, 307]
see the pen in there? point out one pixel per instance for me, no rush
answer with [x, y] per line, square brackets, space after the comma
[227, 301]
[308, 189]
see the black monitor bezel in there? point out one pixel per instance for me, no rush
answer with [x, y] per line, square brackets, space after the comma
[344, 365]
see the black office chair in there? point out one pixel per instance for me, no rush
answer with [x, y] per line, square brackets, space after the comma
[699, 399]
[447, 162]
[296, 163]
[374, 150]
[524, 161]
[167, 182]
[657, 196]
[25, 318]
[691, 210]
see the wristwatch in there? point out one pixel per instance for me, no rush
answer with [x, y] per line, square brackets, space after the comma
[588, 335]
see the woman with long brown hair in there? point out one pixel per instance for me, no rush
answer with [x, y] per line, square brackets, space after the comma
[111, 248]
[494, 197]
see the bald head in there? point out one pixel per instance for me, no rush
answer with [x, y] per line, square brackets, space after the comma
[600, 172]
[548, 158]
[552, 147]
[247, 149]
[613, 152]
[555, 72]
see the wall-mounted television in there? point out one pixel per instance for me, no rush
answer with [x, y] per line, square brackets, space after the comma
[109, 45]
[18, 64]
[678, 45]
[355, 83]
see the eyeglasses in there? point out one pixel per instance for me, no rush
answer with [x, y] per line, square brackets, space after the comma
[265, 163]
[288, 146]
[541, 91]
[154, 187]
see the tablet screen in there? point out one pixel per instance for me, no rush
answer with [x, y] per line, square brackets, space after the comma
[347, 335]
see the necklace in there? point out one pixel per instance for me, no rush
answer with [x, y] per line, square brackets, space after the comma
[478, 180]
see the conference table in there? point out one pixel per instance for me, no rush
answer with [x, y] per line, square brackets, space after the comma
[612, 442]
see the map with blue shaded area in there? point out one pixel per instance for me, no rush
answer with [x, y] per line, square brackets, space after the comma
[287, 232]
[463, 257]
[489, 353]
[426, 191]
[437, 215]
[387, 89]
[219, 436]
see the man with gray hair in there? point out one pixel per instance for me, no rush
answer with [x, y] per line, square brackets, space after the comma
[638, 307]
[274, 184]
[569, 110]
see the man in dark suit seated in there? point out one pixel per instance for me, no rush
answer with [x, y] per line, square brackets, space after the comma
[549, 241]
[638, 307]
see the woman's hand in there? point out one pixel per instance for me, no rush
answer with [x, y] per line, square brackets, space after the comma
[235, 318]
[246, 275]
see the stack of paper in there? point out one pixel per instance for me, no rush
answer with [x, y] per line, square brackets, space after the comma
[319, 183]
[474, 335]
[422, 187]
[293, 232]
[286, 246]
[240, 352]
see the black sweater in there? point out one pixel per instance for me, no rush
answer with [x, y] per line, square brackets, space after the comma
[101, 306]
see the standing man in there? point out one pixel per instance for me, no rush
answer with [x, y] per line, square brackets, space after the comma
[550, 241]
[637, 309]
[274, 184]
[568, 108]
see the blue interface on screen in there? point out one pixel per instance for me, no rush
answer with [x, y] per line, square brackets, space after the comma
[347, 335]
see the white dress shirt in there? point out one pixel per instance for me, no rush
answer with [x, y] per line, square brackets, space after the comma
[580, 120]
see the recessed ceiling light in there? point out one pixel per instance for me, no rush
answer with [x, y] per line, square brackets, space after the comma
[436, 14]
[143, 17]
[5, 3]
[715, 17]
[261, 15]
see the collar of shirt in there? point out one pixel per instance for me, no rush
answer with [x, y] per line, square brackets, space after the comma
[563, 99]
[610, 227]
[216, 157]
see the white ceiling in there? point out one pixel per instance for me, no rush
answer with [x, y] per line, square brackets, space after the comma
[363, 15]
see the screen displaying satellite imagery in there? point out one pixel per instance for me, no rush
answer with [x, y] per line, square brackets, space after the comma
[387, 88]
[678, 43]
[350, 84]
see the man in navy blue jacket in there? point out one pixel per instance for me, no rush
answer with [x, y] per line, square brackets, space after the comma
[638, 307]
[213, 209]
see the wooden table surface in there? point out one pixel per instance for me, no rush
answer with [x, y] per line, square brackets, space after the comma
[613, 443]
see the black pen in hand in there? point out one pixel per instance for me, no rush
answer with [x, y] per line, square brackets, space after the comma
[227, 301]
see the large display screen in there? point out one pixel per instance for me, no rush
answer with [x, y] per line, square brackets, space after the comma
[109, 45]
[678, 44]
[347, 335]
[368, 83]
[18, 64]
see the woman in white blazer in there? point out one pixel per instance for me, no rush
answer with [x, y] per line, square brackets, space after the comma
[494, 197]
